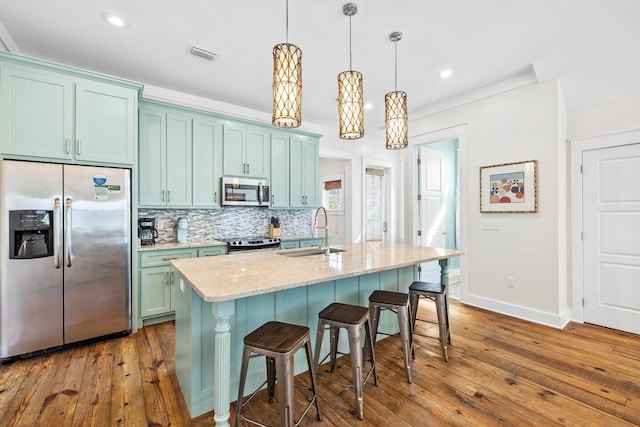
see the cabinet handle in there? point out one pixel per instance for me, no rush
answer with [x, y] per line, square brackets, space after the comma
[212, 254]
[168, 196]
[166, 277]
[169, 258]
[163, 195]
[244, 168]
[248, 171]
[171, 282]
[215, 197]
[272, 198]
[66, 145]
[78, 147]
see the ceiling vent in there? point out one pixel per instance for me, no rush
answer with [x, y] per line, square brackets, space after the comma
[202, 53]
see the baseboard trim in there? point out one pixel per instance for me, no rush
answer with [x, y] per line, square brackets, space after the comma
[558, 321]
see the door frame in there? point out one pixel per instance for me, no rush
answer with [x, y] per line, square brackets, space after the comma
[577, 147]
[411, 226]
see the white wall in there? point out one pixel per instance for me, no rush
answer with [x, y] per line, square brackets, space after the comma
[613, 117]
[522, 124]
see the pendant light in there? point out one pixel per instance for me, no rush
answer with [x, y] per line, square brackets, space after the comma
[395, 108]
[287, 83]
[350, 98]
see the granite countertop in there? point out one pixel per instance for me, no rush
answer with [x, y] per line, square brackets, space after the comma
[242, 275]
[175, 245]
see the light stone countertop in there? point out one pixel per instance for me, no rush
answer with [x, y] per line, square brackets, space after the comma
[175, 245]
[242, 275]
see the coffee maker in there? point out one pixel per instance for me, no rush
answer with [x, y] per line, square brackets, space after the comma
[147, 231]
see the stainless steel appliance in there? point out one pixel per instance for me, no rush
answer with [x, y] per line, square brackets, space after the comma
[65, 255]
[245, 191]
[147, 231]
[259, 243]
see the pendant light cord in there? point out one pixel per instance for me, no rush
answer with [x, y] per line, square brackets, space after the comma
[396, 66]
[350, 67]
[287, 23]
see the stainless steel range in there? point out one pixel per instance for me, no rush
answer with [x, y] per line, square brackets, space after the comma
[260, 243]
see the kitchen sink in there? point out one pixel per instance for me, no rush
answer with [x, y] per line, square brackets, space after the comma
[308, 252]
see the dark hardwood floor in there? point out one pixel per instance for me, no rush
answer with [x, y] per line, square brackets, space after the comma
[501, 371]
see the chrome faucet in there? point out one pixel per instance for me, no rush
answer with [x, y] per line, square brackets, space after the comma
[325, 246]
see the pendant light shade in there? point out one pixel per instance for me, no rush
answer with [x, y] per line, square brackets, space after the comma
[395, 109]
[350, 98]
[395, 120]
[350, 104]
[287, 83]
[287, 86]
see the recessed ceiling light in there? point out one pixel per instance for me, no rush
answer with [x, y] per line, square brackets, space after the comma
[445, 74]
[368, 106]
[114, 20]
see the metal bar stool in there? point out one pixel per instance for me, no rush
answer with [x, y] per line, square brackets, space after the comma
[438, 293]
[278, 342]
[352, 318]
[397, 302]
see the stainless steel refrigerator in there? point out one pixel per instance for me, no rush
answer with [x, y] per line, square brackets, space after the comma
[65, 254]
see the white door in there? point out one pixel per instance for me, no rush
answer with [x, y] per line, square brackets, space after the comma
[611, 215]
[431, 207]
[375, 204]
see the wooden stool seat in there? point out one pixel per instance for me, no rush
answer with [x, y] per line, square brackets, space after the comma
[279, 342]
[438, 293]
[352, 318]
[397, 302]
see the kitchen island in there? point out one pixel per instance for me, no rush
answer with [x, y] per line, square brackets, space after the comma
[219, 300]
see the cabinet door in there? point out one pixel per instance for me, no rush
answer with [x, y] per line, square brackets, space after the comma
[36, 113]
[105, 123]
[279, 171]
[152, 158]
[258, 154]
[207, 162]
[155, 291]
[178, 160]
[233, 150]
[310, 174]
[296, 188]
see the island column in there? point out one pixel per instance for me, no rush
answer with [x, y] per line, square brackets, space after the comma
[222, 311]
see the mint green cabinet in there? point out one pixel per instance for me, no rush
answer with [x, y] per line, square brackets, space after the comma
[246, 150]
[156, 281]
[207, 162]
[165, 158]
[304, 174]
[301, 243]
[279, 170]
[48, 114]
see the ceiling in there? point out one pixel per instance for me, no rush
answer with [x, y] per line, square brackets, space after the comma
[591, 46]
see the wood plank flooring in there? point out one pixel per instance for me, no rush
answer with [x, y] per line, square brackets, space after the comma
[501, 371]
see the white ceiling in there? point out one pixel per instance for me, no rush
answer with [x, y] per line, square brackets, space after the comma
[591, 46]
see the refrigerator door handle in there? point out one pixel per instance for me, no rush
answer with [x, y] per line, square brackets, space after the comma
[67, 227]
[56, 229]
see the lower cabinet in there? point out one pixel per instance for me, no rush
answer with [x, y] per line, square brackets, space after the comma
[156, 291]
[302, 243]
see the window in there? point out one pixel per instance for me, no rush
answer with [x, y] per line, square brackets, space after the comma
[333, 195]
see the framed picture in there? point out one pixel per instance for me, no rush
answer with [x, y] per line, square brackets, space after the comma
[509, 188]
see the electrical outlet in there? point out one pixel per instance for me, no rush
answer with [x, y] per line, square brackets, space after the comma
[295, 222]
[511, 282]
[265, 222]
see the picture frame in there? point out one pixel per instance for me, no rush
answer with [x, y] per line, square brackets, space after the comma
[509, 188]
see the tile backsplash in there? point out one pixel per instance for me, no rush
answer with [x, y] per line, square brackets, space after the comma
[226, 222]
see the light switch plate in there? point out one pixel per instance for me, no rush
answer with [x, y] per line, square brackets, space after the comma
[490, 225]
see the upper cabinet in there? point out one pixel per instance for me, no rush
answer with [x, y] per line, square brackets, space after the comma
[279, 170]
[304, 172]
[246, 150]
[56, 113]
[207, 162]
[165, 158]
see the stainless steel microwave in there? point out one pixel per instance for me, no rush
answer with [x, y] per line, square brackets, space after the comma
[245, 191]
